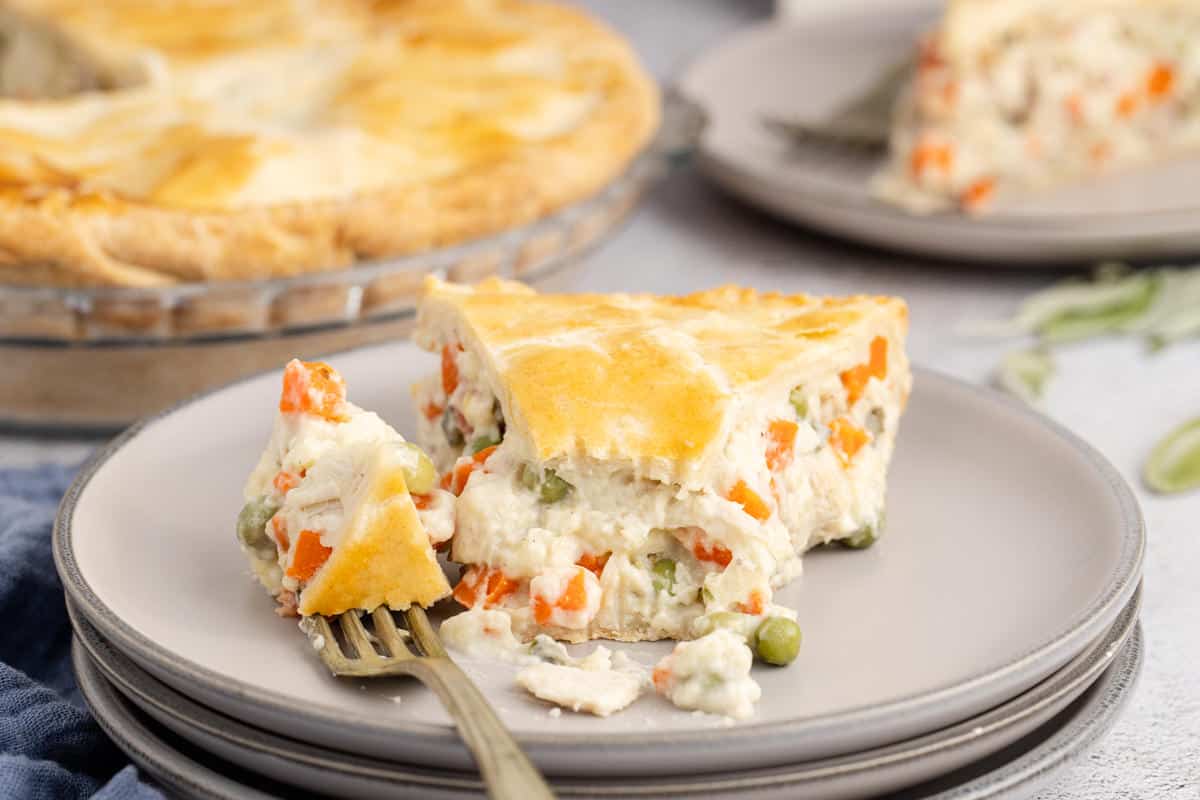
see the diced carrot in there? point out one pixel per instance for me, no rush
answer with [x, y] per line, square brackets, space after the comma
[493, 583]
[781, 440]
[542, 611]
[855, 379]
[662, 678]
[594, 563]
[749, 500]
[284, 481]
[879, 357]
[753, 605]
[499, 586]
[930, 57]
[846, 439]
[449, 371]
[716, 553]
[422, 501]
[978, 193]
[950, 93]
[432, 410]
[313, 387]
[926, 156]
[464, 591]
[1127, 105]
[574, 597]
[279, 529]
[309, 556]
[456, 479]
[1074, 106]
[1160, 81]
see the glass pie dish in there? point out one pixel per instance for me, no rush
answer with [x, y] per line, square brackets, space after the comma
[95, 359]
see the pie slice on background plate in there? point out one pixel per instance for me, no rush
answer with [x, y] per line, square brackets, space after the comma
[628, 465]
[1018, 94]
[341, 513]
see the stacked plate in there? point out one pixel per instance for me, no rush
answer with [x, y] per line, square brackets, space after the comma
[982, 646]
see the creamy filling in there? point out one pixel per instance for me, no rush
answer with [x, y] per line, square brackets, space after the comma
[710, 674]
[1062, 95]
[310, 473]
[655, 557]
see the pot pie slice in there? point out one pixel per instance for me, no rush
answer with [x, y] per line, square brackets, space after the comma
[1015, 95]
[341, 513]
[629, 466]
[146, 144]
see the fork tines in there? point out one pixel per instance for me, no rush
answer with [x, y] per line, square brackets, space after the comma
[385, 651]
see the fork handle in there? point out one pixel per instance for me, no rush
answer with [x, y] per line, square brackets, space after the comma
[507, 772]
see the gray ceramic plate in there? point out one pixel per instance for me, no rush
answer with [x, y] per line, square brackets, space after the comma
[860, 775]
[1012, 545]
[1018, 771]
[805, 70]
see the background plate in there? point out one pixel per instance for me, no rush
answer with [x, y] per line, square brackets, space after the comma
[862, 774]
[805, 70]
[1012, 545]
[1017, 772]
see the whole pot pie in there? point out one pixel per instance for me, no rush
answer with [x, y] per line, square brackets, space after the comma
[147, 144]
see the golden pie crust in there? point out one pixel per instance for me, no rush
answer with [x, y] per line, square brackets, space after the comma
[221, 139]
[572, 371]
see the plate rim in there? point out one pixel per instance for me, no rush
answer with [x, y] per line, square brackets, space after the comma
[131, 641]
[1064, 686]
[1030, 770]
[1175, 221]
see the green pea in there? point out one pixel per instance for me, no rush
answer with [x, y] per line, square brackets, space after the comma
[664, 575]
[252, 524]
[706, 595]
[741, 624]
[799, 402]
[483, 443]
[553, 488]
[777, 641]
[861, 539]
[421, 478]
[450, 427]
[527, 476]
[865, 536]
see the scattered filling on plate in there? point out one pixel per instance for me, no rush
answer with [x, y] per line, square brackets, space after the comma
[599, 684]
[1030, 94]
[710, 674]
[341, 512]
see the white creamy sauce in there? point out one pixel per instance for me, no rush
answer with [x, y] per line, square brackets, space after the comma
[710, 674]
[438, 517]
[485, 634]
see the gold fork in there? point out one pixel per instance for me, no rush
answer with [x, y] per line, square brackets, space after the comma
[506, 770]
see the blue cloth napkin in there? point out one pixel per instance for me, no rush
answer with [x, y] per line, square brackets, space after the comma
[50, 747]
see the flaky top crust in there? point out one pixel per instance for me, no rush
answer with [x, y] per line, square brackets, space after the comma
[653, 383]
[249, 140]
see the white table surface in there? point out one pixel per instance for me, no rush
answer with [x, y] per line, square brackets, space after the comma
[688, 236]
